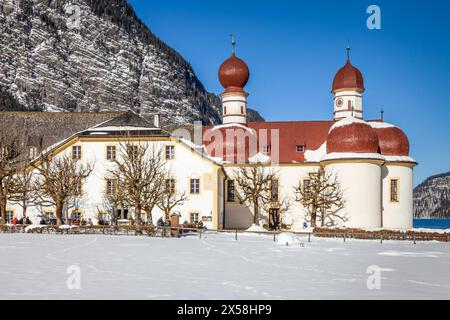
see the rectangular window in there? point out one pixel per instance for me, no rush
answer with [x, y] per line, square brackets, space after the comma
[103, 218]
[111, 153]
[394, 190]
[49, 216]
[300, 148]
[274, 191]
[132, 151]
[194, 217]
[267, 149]
[79, 188]
[76, 152]
[76, 216]
[111, 185]
[170, 185]
[170, 152]
[306, 186]
[230, 191]
[9, 216]
[195, 186]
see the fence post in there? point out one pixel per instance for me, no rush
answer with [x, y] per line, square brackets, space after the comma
[235, 236]
[344, 236]
[381, 238]
[274, 237]
[414, 237]
[200, 233]
[309, 237]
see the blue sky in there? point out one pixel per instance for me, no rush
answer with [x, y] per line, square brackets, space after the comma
[294, 48]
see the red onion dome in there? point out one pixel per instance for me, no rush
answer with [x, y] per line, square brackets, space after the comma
[351, 135]
[392, 140]
[234, 74]
[348, 77]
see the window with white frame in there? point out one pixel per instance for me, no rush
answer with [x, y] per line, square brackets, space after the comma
[170, 185]
[111, 186]
[194, 216]
[76, 152]
[170, 152]
[300, 148]
[132, 151]
[111, 153]
[195, 186]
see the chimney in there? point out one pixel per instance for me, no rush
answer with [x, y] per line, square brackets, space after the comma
[156, 122]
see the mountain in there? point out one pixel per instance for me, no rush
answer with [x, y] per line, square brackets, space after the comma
[432, 197]
[95, 55]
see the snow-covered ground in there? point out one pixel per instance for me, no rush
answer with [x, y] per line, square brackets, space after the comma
[218, 267]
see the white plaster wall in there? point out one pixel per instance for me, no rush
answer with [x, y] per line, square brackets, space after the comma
[356, 99]
[361, 184]
[398, 214]
[233, 102]
[186, 165]
[239, 216]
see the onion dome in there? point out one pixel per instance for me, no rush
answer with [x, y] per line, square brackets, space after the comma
[234, 74]
[351, 135]
[348, 77]
[392, 140]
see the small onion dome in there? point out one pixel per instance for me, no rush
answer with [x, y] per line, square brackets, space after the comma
[392, 140]
[348, 77]
[351, 135]
[234, 74]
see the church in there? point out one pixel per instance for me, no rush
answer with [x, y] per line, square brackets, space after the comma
[369, 158]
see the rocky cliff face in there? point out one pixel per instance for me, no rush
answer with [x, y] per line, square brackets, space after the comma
[432, 197]
[95, 55]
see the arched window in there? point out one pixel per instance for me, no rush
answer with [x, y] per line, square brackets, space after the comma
[225, 110]
[242, 109]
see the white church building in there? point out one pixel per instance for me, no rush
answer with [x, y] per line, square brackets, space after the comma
[369, 158]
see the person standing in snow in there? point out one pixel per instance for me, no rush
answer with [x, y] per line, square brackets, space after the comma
[305, 224]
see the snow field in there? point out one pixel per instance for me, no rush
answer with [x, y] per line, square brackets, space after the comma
[36, 266]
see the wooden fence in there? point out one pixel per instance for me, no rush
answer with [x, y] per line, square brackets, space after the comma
[153, 231]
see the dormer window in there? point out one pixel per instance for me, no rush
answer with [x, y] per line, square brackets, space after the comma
[300, 148]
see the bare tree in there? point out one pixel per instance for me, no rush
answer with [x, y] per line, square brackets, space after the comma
[11, 159]
[254, 186]
[115, 197]
[139, 170]
[59, 180]
[322, 197]
[170, 197]
[25, 193]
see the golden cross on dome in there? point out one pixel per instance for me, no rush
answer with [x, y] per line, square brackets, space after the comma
[348, 50]
[382, 114]
[233, 43]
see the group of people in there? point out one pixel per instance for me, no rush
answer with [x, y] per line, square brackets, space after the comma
[83, 222]
[25, 221]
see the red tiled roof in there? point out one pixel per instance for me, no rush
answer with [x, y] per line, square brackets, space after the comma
[311, 134]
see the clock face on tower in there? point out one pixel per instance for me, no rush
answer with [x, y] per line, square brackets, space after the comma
[339, 102]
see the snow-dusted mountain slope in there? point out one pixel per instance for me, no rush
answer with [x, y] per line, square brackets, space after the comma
[432, 197]
[95, 55]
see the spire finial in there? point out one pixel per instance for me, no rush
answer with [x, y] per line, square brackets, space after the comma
[348, 50]
[233, 44]
[382, 114]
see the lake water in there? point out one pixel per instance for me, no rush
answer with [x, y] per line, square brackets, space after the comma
[432, 223]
